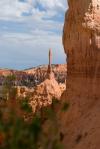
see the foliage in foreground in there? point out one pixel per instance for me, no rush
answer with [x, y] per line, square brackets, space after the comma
[21, 129]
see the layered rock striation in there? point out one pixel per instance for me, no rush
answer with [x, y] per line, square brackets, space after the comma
[80, 125]
[81, 37]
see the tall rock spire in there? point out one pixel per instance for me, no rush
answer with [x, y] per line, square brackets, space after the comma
[50, 74]
[50, 59]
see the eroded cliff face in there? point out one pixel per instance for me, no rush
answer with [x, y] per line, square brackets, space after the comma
[80, 125]
[82, 37]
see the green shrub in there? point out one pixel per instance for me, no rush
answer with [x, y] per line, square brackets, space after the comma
[65, 107]
[24, 104]
[17, 133]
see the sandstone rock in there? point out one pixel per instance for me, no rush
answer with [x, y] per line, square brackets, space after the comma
[34, 76]
[62, 87]
[40, 72]
[45, 92]
[81, 37]
[80, 125]
[23, 91]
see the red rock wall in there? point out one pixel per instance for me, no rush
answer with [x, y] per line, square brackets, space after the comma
[81, 37]
[81, 40]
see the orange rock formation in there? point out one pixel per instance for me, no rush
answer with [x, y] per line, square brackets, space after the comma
[80, 125]
[44, 93]
[48, 90]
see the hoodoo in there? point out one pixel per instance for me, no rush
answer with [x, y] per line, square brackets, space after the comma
[50, 57]
[46, 91]
[80, 125]
[81, 37]
[50, 74]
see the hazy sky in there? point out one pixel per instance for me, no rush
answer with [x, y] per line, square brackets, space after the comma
[28, 28]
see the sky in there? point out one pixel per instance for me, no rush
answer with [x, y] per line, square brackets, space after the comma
[28, 28]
